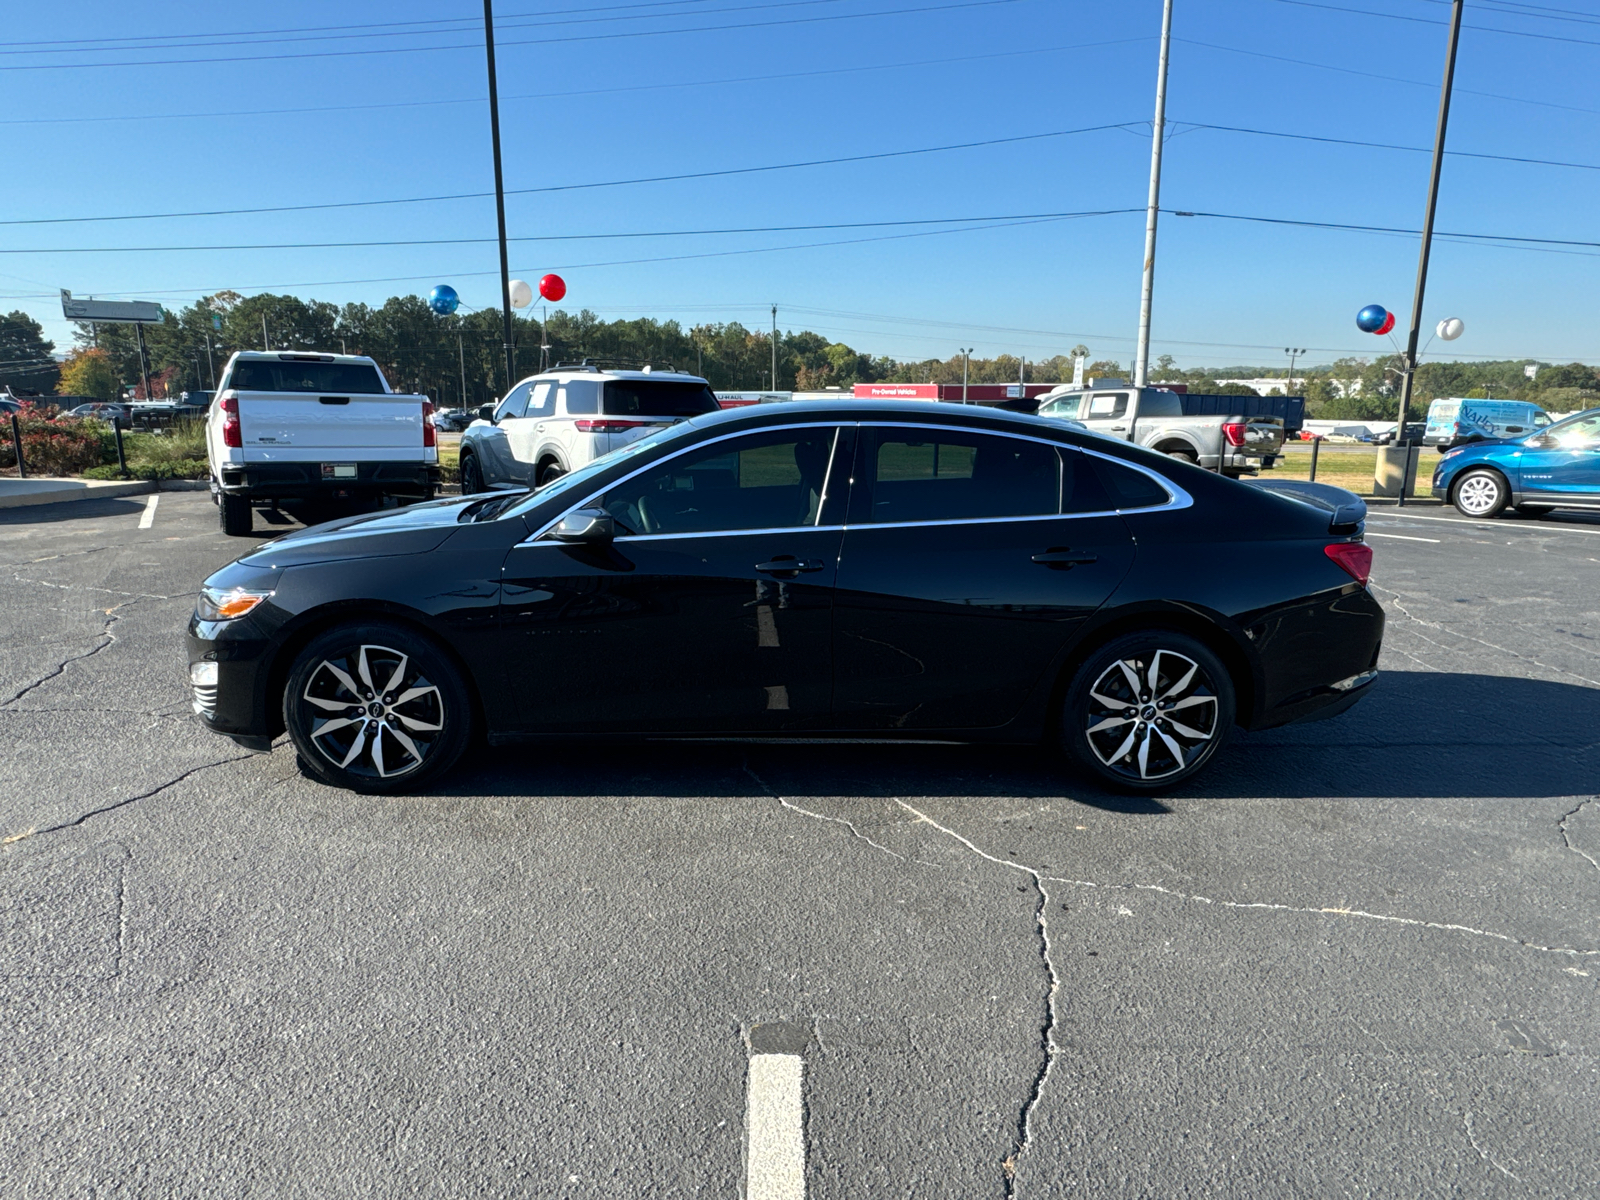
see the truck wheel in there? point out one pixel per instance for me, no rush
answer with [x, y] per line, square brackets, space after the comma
[1187, 456]
[471, 475]
[236, 514]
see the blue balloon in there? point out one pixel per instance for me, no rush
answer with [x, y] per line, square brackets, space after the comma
[443, 300]
[1371, 318]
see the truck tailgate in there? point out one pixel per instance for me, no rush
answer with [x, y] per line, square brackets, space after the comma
[288, 426]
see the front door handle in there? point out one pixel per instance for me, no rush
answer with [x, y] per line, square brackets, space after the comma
[787, 564]
[1063, 558]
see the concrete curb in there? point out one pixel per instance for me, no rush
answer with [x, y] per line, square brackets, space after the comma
[22, 493]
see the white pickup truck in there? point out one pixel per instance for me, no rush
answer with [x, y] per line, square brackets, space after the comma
[297, 426]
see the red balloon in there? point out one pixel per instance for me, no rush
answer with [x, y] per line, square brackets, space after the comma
[553, 287]
[1380, 330]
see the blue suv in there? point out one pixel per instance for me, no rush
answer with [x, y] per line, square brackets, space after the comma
[1557, 467]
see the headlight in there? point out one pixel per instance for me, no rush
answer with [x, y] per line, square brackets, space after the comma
[217, 605]
[1449, 454]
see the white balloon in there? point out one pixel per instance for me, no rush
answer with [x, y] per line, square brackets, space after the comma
[1450, 328]
[521, 294]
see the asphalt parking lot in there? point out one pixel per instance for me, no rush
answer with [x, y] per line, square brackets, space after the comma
[1362, 958]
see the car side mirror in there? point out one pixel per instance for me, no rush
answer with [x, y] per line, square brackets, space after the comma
[1542, 441]
[585, 525]
[486, 412]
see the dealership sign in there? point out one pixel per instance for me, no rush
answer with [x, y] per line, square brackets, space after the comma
[897, 391]
[141, 312]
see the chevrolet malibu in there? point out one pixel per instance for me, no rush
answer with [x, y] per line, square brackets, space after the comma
[840, 569]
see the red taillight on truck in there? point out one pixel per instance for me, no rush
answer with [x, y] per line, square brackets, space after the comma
[588, 426]
[430, 432]
[1235, 431]
[1354, 557]
[232, 437]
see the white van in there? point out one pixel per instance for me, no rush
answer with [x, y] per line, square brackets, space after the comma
[1455, 421]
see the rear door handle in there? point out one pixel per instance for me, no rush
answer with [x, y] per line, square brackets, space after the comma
[786, 565]
[1062, 558]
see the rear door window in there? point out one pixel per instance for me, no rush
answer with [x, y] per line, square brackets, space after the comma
[1105, 405]
[542, 400]
[657, 398]
[267, 375]
[914, 476]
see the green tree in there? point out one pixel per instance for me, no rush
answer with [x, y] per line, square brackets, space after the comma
[26, 361]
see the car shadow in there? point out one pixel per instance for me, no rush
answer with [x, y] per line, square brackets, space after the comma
[1419, 734]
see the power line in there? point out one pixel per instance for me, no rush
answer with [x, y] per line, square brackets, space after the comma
[541, 41]
[1307, 137]
[1366, 12]
[567, 187]
[1474, 237]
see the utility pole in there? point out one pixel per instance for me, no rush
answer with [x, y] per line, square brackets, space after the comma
[1293, 353]
[211, 365]
[144, 365]
[499, 197]
[774, 347]
[461, 357]
[264, 345]
[965, 354]
[1141, 360]
[1427, 244]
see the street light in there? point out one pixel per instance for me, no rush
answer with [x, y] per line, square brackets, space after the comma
[964, 355]
[1293, 353]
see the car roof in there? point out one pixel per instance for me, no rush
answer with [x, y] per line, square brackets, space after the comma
[302, 356]
[614, 374]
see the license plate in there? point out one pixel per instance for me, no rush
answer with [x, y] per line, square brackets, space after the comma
[338, 470]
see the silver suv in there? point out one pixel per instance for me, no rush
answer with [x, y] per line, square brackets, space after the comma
[562, 419]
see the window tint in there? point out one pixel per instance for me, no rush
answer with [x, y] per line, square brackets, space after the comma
[1061, 406]
[1160, 404]
[652, 398]
[764, 481]
[1129, 488]
[1583, 432]
[1107, 404]
[515, 403]
[580, 398]
[924, 475]
[267, 375]
[542, 400]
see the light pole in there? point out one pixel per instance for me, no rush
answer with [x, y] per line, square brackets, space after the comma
[1293, 353]
[964, 355]
[1141, 360]
[774, 348]
[499, 196]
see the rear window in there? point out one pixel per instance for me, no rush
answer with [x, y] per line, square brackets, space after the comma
[264, 375]
[648, 398]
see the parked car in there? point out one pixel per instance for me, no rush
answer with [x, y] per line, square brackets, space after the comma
[1414, 434]
[847, 568]
[291, 426]
[1455, 422]
[115, 414]
[561, 420]
[9, 406]
[1557, 467]
[453, 420]
[1233, 444]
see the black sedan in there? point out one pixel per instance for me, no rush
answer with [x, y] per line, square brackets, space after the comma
[838, 569]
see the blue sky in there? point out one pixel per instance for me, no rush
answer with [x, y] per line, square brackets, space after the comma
[599, 91]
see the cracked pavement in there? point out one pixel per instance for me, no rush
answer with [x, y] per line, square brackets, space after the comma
[1361, 958]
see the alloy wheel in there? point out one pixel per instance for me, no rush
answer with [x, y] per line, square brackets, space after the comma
[1478, 495]
[1151, 716]
[372, 713]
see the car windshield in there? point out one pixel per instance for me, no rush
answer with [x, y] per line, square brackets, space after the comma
[265, 375]
[576, 481]
[657, 398]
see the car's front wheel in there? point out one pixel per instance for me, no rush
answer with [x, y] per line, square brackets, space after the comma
[1148, 711]
[471, 475]
[1482, 493]
[376, 708]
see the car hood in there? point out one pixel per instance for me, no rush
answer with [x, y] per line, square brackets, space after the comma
[415, 529]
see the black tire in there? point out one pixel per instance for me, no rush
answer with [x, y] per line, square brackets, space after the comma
[346, 733]
[1187, 456]
[471, 475]
[551, 472]
[1125, 738]
[236, 515]
[1481, 492]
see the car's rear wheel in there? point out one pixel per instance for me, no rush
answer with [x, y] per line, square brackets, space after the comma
[1148, 711]
[235, 514]
[376, 708]
[551, 472]
[471, 475]
[1482, 493]
[1187, 456]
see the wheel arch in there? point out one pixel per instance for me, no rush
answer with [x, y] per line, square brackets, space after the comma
[1175, 444]
[320, 620]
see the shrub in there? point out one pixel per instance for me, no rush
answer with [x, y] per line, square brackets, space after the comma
[193, 468]
[55, 445]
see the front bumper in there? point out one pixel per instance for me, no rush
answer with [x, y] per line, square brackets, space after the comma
[236, 704]
[317, 480]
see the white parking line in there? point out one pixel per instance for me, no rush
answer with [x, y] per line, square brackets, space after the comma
[775, 1166]
[1402, 537]
[1489, 525]
[148, 517]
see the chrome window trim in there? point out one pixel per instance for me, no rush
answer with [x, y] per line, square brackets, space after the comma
[834, 424]
[1178, 497]
[713, 533]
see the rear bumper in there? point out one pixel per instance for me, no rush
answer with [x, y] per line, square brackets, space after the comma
[314, 480]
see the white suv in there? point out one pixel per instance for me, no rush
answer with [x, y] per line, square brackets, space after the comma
[563, 419]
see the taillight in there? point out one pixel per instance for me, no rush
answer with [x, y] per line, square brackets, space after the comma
[430, 432]
[1234, 431]
[586, 426]
[232, 437]
[1354, 557]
